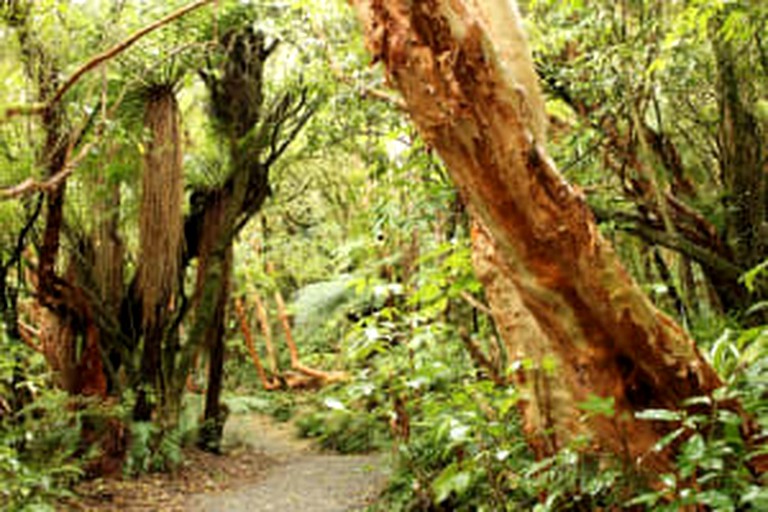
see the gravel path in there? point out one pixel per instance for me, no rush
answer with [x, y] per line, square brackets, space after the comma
[302, 479]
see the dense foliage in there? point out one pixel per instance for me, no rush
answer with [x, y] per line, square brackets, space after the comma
[658, 111]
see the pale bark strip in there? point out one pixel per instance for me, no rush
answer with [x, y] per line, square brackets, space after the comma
[549, 419]
[606, 336]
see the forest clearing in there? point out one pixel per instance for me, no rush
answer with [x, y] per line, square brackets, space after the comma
[384, 255]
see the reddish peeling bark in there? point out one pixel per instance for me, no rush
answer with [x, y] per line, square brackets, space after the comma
[550, 421]
[464, 93]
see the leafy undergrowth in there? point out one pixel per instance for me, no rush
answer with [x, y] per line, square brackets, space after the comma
[464, 450]
[417, 392]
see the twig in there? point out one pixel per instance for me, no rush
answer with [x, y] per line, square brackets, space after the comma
[30, 185]
[472, 301]
[28, 335]
[481, 359]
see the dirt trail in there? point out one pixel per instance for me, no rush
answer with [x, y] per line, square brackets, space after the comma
[301, 479]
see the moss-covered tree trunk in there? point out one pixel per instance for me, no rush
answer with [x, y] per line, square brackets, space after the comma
[215, 412]
[743, 158]
[465, 73]
[236, 99]
[255, 137]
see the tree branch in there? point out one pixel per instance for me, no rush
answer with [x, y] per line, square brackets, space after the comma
[674, 241]
[95, 61]
[31, 185]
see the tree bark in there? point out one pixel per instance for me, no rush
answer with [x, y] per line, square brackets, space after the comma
[215, 413]
[161, 235]
[246, 331]
[237, 100]
[465, 82]
[550, 421]
[742, 156]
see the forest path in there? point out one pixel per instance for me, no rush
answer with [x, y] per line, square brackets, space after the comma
[301, 478]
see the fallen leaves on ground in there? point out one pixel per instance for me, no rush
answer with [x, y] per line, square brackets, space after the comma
[200, 472]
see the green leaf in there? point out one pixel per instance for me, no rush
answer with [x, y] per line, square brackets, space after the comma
[728, 417]
[648, 500]
[757, 497]
[598, 406]
[667, 439]
[750, 278]
[694, 449]
[658, 415]
[715, 499]
[451, 480]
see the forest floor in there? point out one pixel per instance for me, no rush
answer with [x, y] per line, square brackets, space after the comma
[265, 467]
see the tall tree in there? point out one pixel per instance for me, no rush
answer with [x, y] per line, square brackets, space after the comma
[255, 137]
[465, 73]
[160, 235]
[67, 313]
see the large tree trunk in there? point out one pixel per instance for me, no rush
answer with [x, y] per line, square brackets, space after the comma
[550, 421]
[465, 72]
[160, 237]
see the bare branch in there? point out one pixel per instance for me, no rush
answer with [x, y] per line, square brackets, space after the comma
[475, 303]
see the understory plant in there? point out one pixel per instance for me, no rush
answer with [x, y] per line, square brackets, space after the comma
[457, 439]
[40, 445]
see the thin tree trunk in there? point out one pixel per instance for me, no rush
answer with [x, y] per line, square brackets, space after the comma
[742, 156]
[215, 413]
[246, 330]
[293, 350]
[261, 311]
[464, 70]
